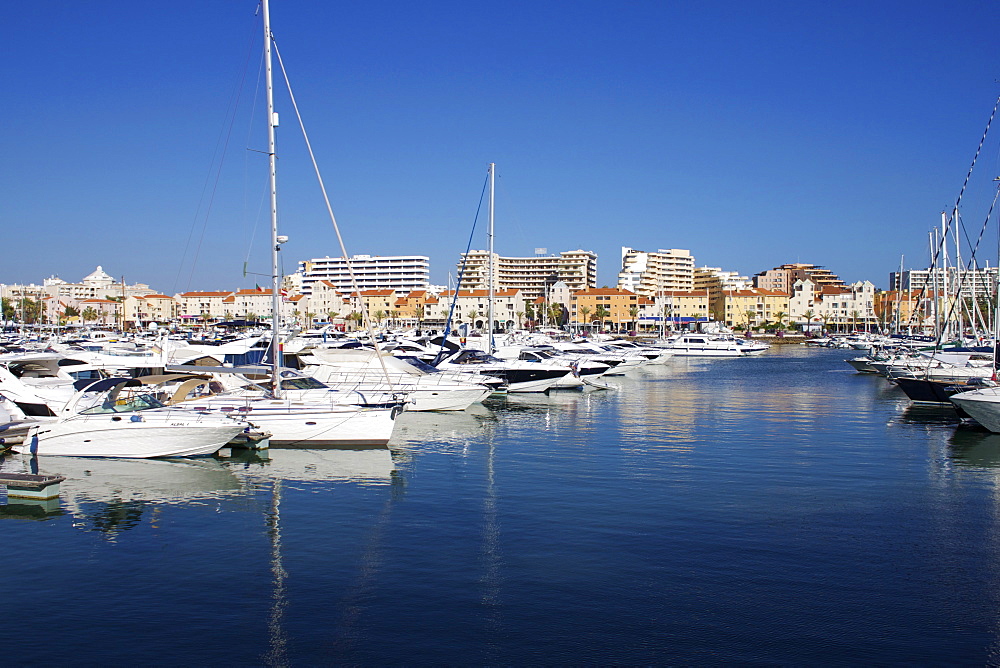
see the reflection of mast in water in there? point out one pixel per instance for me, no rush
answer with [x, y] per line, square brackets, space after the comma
[361, 588]
[491, 555]
[278, 640]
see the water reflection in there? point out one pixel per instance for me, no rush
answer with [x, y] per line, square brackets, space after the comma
[110, 496]
[923, 414]
[974, 447]
[430, 431]
[362, 467]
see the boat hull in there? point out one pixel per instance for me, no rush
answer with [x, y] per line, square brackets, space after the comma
[134, 440]
[983, 406]
[309, 428]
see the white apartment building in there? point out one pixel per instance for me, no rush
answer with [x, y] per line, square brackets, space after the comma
[472, 307]
[401, 273]
[203, 305]
[974, 283]
[96, 285]
[838, 307]
[714, 278]
[646, 273]
[532, 276]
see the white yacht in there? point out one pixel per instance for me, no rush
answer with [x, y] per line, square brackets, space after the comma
[981, 405]
[364, 371]
[130, 426]
[708, 345]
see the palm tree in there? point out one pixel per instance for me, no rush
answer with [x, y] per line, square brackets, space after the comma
[779, 318]
[310, 316]
[520, 319]
[332, 314]
[356, 318]
[751, 316]
[600, 313]
[585, 311]
[555, 314]
[633, 312]
[825, 317]
[809, 315]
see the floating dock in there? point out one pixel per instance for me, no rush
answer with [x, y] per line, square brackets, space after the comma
[32, 487]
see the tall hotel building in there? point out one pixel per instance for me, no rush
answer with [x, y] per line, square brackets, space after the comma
[650, 273]
[531, 275]
[402, 273]
[976, 283]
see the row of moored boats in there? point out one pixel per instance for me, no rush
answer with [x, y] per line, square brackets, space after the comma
[110, 396]
[960, 374]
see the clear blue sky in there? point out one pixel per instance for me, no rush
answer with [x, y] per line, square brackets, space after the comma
[753, 134]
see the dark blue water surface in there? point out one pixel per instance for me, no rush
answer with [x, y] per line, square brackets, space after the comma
[774, 510]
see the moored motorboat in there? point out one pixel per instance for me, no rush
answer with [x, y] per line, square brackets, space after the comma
[131, 426]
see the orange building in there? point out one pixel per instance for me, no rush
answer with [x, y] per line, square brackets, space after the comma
[604, 306]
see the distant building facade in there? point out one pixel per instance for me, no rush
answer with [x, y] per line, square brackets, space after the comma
[969, 283]
[647, 273]
[400, 273]
[532, 276]
[781, 279]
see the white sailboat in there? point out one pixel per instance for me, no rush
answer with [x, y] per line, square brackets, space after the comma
[296, 421]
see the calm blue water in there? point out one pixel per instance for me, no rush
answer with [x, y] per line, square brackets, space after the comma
[777, 510]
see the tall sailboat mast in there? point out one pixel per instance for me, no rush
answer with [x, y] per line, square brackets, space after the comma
[492, 287]
[272, 123]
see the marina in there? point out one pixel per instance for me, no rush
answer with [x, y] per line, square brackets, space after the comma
[780, 508]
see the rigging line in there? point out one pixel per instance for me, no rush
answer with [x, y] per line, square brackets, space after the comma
[231, 116]
[461, 273]
[329, 209]
[514, 214]
[982, 140]
[264, 196]
[968, 176]
[265, 193]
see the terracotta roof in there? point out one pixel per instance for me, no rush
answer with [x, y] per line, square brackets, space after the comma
[755, 292]
[205, 294]
[603, 291]
[683, 293]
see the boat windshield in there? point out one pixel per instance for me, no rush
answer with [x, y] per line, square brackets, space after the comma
[420, 364]
[301, 384]
[139, 402]
[298, 383]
